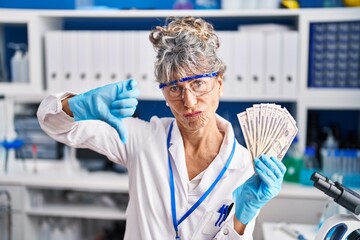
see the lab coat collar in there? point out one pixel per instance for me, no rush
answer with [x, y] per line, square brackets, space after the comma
[177, 155]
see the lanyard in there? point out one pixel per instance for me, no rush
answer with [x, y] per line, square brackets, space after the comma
[202, 198]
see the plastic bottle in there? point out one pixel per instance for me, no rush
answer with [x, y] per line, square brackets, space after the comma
[16, 63]
[310, 165]
[330, 141]
[19, 63]
[24, 72]
[57, 234]
[293, 162]
[329, 153]
[45, 230]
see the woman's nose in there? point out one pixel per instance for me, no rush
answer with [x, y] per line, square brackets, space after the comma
[189, 98]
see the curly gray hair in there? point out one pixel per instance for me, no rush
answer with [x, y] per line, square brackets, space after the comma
[185, 46]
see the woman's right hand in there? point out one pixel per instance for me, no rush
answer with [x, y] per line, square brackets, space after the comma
[109, 103]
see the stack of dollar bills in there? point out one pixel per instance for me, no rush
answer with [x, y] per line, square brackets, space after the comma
[267, 129]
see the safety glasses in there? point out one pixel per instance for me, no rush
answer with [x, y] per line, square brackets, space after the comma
[198, 85]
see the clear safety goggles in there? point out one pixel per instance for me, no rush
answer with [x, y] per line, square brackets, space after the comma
[199, 85]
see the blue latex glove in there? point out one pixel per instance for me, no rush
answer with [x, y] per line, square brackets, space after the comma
[109, 103]
[259, 189]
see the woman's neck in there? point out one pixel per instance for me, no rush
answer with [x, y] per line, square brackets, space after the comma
[201, 147]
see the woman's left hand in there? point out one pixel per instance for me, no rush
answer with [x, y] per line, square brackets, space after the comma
[259, 189]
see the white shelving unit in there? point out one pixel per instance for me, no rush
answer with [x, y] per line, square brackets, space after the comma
[26, 214]
[317, 98]
[35, 28]
[77, 211]
[38, 22]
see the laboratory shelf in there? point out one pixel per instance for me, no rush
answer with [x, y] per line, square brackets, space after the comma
[295, 190]
[96, 182]
[331, 98]
[166, 13]
[78, 211]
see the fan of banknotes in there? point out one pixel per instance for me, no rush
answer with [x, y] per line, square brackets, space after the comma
[268, 129]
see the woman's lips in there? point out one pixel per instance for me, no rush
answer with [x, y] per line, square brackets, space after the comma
[193, 114]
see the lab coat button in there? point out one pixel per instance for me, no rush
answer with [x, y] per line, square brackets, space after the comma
[226, 231]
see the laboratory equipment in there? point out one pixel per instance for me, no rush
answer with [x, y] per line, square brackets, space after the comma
[19, 63]
[8, 145]
[340, 226]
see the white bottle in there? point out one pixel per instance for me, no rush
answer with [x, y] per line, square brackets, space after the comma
[57, 234]
[44, 230]
[16, 64]
[24, 72]
[19, 63]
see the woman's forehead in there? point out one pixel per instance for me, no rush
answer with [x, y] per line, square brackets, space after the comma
[184, 74]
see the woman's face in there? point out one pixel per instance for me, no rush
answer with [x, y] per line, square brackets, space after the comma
[193, 113]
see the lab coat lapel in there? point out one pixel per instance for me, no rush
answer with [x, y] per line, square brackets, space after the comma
[177, 154]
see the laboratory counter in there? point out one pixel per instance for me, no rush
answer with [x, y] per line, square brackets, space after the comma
[109, 181]
[303, 203]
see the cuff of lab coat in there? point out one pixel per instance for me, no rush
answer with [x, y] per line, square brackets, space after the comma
[50, 111]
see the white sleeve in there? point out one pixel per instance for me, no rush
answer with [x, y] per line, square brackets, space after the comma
[93, 134]
[227, 232]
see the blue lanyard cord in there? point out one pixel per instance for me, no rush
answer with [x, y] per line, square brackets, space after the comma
[202, 198]
[172, 187]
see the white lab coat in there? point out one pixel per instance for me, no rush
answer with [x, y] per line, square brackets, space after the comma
[145, 155]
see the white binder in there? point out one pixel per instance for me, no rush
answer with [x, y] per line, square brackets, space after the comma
[146, 56]
[114, 56]
[273, 46]
[256, 55]
[84, 60]
[226, 53]
[241, 69]
[130, 53]
[69, 61]
[290, 56]
[53, 61]
[99, 59]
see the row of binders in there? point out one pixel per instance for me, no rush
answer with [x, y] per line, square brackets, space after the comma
[259, 63]
[77, 61]
[334, 55]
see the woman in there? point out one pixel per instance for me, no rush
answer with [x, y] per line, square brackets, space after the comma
[185, 173]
